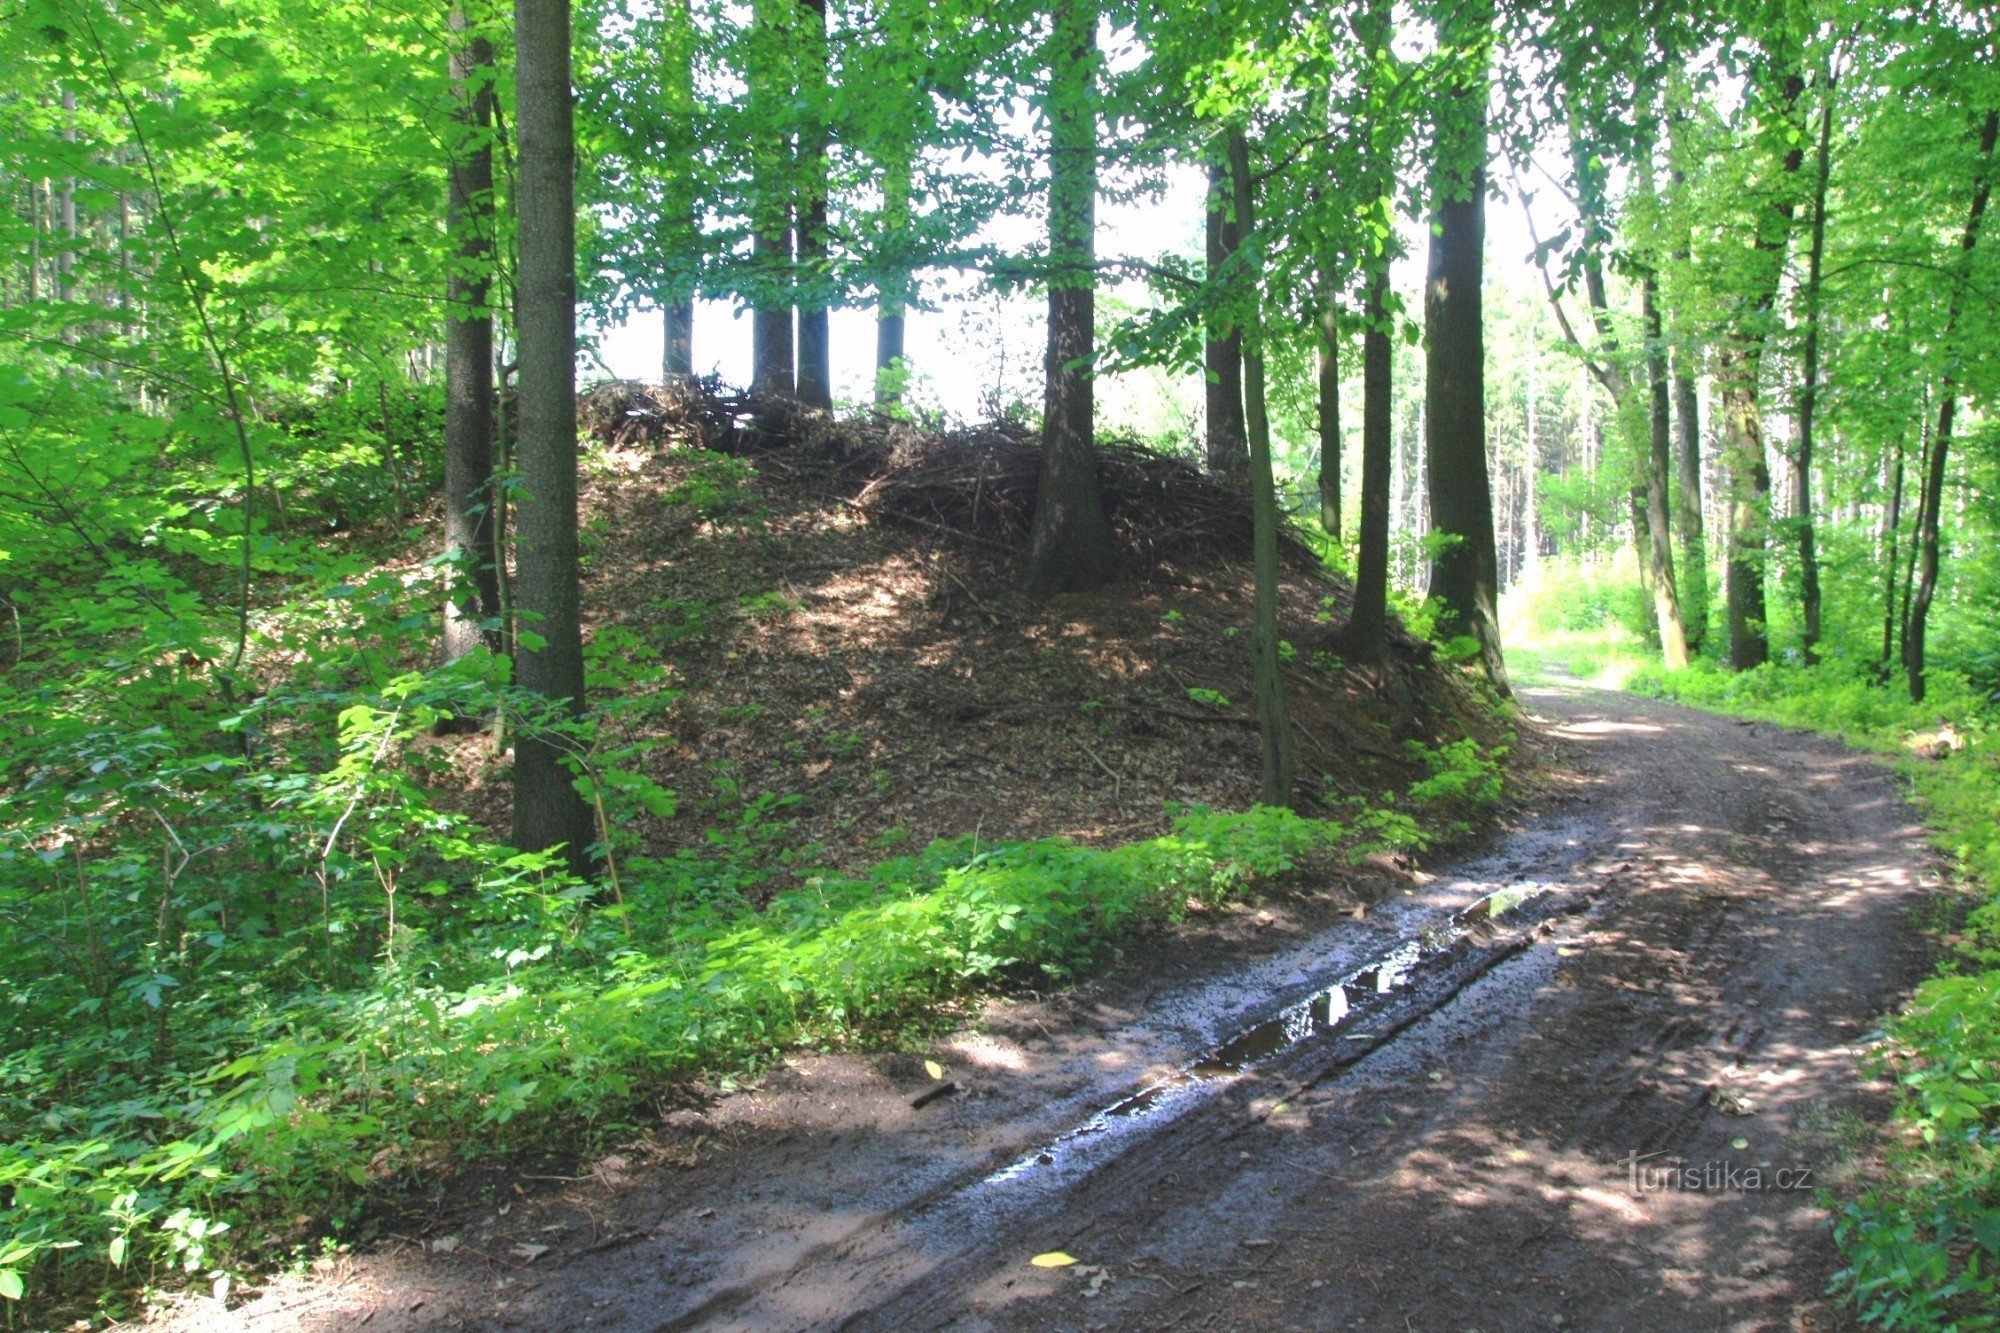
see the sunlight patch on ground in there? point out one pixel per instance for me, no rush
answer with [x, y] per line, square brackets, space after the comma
[1603, 728]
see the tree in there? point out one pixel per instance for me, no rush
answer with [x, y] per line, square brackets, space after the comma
[1808, 411]
[1274, 722]
[815, 379]
[1658, 467]
[1365, 637]
[548, 809]
[1931, 506]
[1464, 574]
[1327, 415]
[1069, 540]
[1777, 86]
[773, 370]
[470, 509]
[677, 305]
[1222, 343]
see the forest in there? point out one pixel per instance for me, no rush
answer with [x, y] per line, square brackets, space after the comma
[561, 560]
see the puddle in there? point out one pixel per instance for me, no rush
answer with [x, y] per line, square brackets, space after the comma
[1339, 1010]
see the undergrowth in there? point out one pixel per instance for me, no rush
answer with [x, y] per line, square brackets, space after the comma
[257, 971]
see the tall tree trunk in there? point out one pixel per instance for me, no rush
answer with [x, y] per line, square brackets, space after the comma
[1274, 722]
[548, 810]
[66, 216]
[1749, 506]
[1687, 461]
[1659, 463]
[34, 283]
[1739, 367]
[677, 304]
[1928, 514]
[815, 374]
[1891, 538]
[892, 310]
[1365, 637]
[1329, 417]
[773, 370]
[1367, 626]
[468, 350]
[1464, 574]
[1222, 349]
[1069, 540]
[1802, 502]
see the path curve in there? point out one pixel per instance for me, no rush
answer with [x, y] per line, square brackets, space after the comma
[1584, 1131]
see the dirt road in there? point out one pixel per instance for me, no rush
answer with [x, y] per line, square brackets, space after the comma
[1605, 1103]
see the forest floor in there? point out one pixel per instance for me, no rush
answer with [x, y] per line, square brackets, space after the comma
[1572, 1114]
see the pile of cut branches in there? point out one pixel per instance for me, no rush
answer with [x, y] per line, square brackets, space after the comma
[981, 483]
[977, 483]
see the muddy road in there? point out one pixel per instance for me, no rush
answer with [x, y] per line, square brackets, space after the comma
[1591, 1078]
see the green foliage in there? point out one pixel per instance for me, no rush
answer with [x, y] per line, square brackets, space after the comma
[257, 964]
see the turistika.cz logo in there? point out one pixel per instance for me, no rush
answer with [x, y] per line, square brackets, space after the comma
[1653, 1173]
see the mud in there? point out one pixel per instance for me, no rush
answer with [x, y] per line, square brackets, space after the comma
[1573, 1112]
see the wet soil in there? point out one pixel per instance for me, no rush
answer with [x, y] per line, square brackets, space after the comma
[1610, 1103]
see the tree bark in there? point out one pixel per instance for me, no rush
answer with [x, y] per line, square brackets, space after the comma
[468, 351]
[1928, 515]
[1222, 349]
[1464, 573]
[815, 376]
[548, 810]
[1329, 418]
[1366, 637]
[1659, 463]
[1740, 366]
[1891, 538]
[773, 371]
[1687, 460]
[892, 309]
[66, 216]
[1749, 506]
[677, 305]
[1802, 505]
[1274, 722]
[1069, 540]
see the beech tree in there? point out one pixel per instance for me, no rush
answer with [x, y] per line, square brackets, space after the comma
[549, 811]
[471, 498]
[1464, 574]
[1069, 544]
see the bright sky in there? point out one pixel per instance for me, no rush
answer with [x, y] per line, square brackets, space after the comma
[977, 346]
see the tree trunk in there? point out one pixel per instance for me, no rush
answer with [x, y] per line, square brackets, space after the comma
[1891, 539]
[1694, 547]
[1740, 366]
[1366, 637]
[815, 374]
[1464, 574]
[892, 310]
[548, 810]
[1928, 514]
[1329, 418]
[468, 352]
[772, 369]
[1274, 722]
[677, 306]
[1069, 541]
[1222, 350]
[1802, 503]
[66, 217]
[1659, 463]
[1749, 506]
